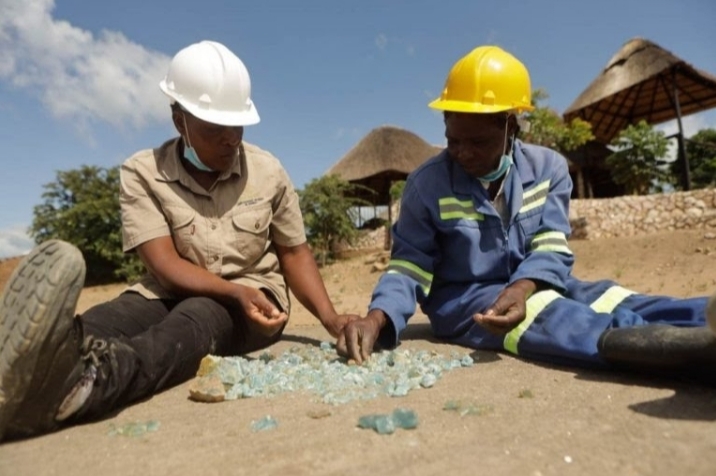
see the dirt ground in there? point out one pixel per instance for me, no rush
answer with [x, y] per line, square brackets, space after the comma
[575, 422]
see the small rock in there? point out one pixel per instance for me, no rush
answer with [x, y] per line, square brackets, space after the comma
[208, 365]
[378, 267]
[405, 418]
[207, 389]
[266, 423]
[318, 414]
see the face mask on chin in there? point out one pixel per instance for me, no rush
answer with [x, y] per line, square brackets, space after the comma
[504, 165]
[505, 162]
[191, 155]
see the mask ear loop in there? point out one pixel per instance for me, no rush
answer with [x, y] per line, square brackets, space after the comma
[512, 139]
[186, 128]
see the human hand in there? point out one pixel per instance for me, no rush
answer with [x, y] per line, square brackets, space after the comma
[335, 323]
[262, 315]
[508, 310]
[358, 337]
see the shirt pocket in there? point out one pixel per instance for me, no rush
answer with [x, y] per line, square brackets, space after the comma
[529, 222]
[251, 227]
[527, 227]
[183, 225]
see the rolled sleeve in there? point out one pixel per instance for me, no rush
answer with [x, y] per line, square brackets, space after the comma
[142, 217]
[287, 224]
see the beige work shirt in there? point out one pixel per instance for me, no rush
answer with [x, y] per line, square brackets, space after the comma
[228, 229]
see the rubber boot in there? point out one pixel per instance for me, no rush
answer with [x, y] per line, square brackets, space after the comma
[674, 351]
[711, 313]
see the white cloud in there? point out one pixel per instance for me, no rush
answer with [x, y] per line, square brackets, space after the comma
[381, 41]
[14, 241]
[78, 75]
[691, 125]
[342, 132]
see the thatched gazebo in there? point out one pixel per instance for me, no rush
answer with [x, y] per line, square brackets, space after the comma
[643, 81]
[387, 154]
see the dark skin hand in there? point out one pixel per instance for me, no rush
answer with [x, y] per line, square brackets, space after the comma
[184, 278]
[359, 336]
[302, 276]
[509, 309]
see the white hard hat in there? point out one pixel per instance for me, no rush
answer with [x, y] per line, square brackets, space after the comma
[212, 83]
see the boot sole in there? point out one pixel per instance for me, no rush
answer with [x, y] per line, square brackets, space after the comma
[711, 313]
[38, 304]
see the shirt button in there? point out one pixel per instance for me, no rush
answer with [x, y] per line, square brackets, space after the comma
[257, 225]
[213, 226]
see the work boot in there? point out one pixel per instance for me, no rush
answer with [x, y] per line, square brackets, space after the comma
[687, 351]
[41, 360]
[711, 313]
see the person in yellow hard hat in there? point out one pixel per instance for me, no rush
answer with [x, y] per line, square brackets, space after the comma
[481, 244]
[216, 222]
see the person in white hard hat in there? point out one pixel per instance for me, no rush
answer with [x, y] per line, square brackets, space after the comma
[216, 222]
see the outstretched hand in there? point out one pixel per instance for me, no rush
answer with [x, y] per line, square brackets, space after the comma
[508, 310]
[358, 336]
[335, 324]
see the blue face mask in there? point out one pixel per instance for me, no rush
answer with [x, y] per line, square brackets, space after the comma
[505, 162]
[191, 155]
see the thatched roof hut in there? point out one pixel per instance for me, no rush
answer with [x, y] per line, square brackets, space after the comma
[642, 81]
[387, 154]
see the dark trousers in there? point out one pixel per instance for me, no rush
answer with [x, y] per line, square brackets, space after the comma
[156, 344]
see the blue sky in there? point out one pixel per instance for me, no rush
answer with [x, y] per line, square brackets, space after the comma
[78, 78]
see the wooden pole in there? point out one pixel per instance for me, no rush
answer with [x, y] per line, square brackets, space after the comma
[686, 177]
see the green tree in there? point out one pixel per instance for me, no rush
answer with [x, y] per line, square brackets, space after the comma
[547, 128]
[328, 210]
[638, 162]
[701, 152]
[396, 190]
[82, 207]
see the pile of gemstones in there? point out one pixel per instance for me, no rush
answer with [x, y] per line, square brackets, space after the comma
[321, 371]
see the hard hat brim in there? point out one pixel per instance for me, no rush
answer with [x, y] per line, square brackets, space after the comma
[219, 117]
[477, 108]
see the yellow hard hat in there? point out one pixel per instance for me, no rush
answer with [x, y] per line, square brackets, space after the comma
[486, 80]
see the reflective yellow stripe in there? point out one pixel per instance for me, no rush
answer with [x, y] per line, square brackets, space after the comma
[551, 241]
[424, 279]
[547, 235]
[454, 201]
[535, 197]
[611, 298]
[453, 209]
[535, 304]
[460, 214]
[534, 190]
[556, 248]
[533, 205]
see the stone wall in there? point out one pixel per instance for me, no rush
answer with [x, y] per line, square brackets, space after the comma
[368, 240]
[640, 215]
[607, 217]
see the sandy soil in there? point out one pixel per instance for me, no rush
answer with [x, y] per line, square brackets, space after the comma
[576, 422]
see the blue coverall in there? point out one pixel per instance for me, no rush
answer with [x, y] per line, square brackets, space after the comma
[453, 254]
